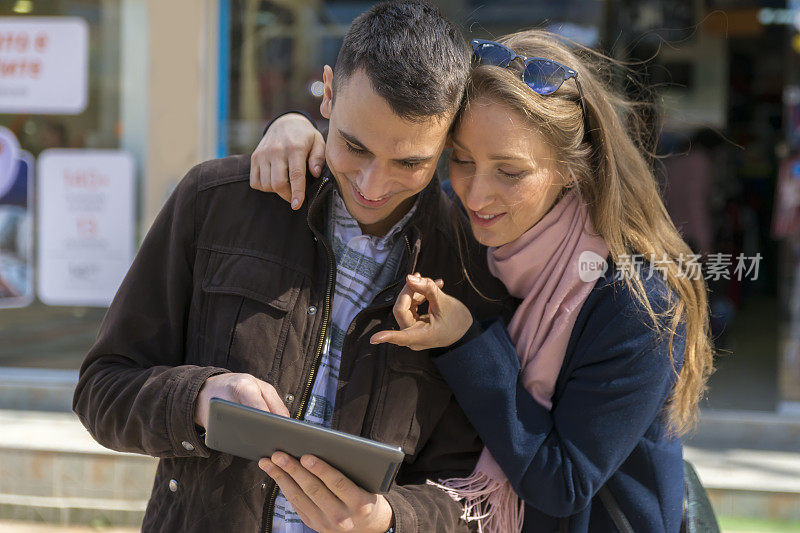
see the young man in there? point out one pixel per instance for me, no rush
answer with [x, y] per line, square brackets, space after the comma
[235, 295]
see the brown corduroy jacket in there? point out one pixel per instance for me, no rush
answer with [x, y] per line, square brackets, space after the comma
[230, 279]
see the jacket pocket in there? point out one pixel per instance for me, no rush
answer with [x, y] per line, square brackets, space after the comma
[249, 303]
[412, 398]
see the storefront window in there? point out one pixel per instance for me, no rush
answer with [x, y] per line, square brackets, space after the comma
[278, 49]
[706, 80]
[39, 335]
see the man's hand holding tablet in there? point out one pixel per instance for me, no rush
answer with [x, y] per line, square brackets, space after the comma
[325, 498]
[243, 389]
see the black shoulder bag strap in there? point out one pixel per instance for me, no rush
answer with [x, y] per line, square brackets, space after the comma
[611, 505]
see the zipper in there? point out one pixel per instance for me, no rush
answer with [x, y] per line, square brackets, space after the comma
[372, 308]
[269, 505]
[323, 333]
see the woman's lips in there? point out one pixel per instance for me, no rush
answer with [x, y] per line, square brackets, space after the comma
[366, 202]
[485, 220]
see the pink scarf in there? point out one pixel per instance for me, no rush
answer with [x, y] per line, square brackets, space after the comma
[549, 268]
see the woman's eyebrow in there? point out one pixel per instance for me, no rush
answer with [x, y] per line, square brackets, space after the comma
[507, 157]
[459, 145]
[494, 157]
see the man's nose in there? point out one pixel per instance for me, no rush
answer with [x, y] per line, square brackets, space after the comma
[372, 180]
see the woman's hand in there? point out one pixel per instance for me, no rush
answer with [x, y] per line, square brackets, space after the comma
[446, 321]
[278, 163]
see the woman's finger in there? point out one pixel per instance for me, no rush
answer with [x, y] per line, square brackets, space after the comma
[404, 309]
[418, 298]
[279, 179]
[255, 182]
[428, 288]
[317, 157]
[264, 177]
[380, 337]
[414, 338]
[297, 177]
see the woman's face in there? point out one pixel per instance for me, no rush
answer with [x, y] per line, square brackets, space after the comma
[503, 171]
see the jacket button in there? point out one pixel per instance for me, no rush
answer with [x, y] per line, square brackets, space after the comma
[187, 446]
[173, 485]
[312, 310]
[289, 398]
[264, 485]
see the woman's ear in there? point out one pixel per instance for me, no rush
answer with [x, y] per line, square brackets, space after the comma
[326, 106]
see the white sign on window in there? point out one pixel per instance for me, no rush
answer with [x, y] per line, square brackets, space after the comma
[86, 225]
[16, 235]
[9, 154]
[44, 65]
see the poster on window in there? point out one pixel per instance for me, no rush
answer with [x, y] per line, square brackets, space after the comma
[86, 225]
[44, 65]
[16, 235]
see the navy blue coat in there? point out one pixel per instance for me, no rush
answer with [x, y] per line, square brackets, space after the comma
[607, 425]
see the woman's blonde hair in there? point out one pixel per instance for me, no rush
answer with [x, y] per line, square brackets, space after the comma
[616, 181]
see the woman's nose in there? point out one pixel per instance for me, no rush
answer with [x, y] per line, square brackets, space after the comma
[479, 192]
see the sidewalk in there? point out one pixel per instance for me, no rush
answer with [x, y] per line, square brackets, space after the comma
[27, 527]
[52, 470]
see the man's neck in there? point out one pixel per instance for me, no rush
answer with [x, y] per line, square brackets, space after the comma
[379, 229]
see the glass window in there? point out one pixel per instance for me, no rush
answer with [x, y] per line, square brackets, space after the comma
[48, 336]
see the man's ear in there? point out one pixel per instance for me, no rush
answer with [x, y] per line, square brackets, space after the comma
[326, 105]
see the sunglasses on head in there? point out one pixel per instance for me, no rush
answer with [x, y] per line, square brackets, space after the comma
[543, 76]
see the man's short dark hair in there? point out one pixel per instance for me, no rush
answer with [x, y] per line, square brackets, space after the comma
[415, 58]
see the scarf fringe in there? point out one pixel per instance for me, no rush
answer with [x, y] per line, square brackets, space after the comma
[493, 504]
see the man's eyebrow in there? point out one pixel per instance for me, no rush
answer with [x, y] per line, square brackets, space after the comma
[411, 159]
[352, 140]
[415, 159]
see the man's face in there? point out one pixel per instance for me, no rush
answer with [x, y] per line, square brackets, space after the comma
[379, 160]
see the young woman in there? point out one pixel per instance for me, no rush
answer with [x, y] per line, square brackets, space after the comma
[582, 398]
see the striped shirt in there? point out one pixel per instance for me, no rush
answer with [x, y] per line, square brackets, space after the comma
[365, 264]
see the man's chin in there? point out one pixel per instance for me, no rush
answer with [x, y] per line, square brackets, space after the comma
[371, 217]
[372, 221]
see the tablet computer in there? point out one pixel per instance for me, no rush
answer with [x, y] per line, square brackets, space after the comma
[250, 433]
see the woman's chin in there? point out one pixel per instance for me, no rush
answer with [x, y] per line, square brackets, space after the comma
[489, 238]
